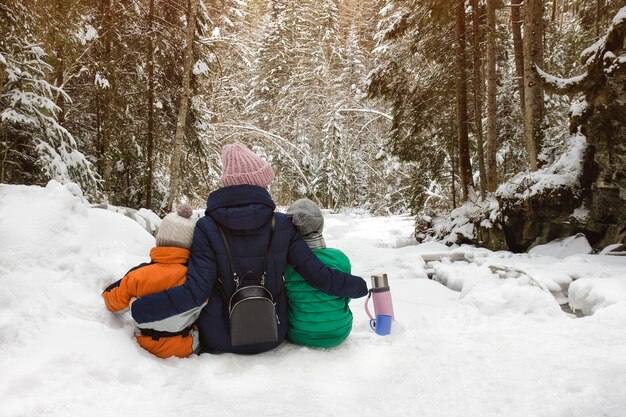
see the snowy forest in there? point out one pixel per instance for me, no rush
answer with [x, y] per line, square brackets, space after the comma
[389, 106]
[468, 157]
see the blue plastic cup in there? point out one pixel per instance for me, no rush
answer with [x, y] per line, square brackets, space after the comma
[381, 324]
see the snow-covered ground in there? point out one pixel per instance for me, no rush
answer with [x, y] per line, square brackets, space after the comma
[495, 343]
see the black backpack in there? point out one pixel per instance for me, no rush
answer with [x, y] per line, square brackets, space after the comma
[252, 316]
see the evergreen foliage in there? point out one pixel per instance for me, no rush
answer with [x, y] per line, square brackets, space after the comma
[352, 101]
[35, 146]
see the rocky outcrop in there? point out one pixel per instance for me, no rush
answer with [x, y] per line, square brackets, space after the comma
[540, 218]
[596, 203]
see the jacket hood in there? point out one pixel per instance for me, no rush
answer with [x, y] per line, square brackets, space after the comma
[240, 207]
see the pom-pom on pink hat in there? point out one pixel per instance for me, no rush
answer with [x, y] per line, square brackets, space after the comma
[241, 166]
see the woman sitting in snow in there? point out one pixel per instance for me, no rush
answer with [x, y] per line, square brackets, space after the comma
[259, 240]
[167, 269]
[315, 319]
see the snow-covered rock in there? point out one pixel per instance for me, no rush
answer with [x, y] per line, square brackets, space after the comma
[590, 295]
[496, 289]
[459, 225]
[563, 172]
[562, 248]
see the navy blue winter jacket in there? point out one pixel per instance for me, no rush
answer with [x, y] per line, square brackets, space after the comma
[245, 213]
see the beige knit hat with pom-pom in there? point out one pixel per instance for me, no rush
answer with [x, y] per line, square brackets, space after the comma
[177, 228]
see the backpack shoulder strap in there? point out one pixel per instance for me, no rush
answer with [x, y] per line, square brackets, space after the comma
[229, 255]
[269, 249]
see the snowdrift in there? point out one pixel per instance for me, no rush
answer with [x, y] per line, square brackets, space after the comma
[499, 345]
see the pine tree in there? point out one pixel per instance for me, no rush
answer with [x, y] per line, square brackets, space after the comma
[273, 63]
[415, 75]
[175, 171]
[478, 85]
[330, 173]
[533, 94]
[35, 146]
[492, 91]
[465, 167]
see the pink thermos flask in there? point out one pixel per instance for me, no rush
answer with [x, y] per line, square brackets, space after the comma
[382, 297]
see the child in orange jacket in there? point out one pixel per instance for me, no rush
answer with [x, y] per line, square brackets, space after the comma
[167, 269]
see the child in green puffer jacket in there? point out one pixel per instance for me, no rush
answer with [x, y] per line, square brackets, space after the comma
[315, 319]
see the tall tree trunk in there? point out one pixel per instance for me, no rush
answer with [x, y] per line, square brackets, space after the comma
[60, 55]
[453, 174]
[600, 13]
[100, 162]
[2, 70]
[465, 168]
[5, 148]
[182, 111]
[492, 127]
[103, 95]
[59, 83]
[533, 95]
[518, 47]
[108, 94]
[150, 105]
[478, 102]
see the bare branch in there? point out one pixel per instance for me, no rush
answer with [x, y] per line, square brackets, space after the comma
[385, 115]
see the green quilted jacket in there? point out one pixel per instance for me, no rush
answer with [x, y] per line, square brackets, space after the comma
[317, 319]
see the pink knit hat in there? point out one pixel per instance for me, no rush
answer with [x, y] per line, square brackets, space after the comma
[242, 166]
